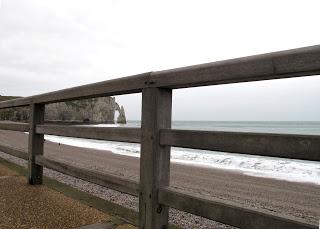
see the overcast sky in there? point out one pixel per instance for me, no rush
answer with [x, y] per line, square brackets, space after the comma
[51, 45]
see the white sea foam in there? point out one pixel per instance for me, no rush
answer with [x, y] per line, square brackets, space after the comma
[284, 169]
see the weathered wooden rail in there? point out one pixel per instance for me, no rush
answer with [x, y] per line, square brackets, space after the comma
[156, 136]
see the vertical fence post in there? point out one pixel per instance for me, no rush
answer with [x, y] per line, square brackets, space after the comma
[155, 159]
[35, 146]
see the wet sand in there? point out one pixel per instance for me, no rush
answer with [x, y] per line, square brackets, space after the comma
[300, 200]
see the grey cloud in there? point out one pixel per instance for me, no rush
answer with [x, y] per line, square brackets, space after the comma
[51, 45]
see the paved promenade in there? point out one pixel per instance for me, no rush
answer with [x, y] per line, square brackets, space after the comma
[25, 206]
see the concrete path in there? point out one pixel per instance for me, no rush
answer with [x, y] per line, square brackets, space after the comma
[25, 206]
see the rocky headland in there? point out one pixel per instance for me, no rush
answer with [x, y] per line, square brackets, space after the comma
[95, 110]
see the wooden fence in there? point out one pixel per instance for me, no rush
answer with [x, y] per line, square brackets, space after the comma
[156, 137]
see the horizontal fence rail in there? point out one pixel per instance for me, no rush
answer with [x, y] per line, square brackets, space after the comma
[15, 126]
[118, 183]
[120, 134]
[227, 212]
[303, 147]
[156, 136]
[125, 85]
[14, 151]
[277, 65]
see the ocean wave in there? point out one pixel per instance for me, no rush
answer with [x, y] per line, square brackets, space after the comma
[276, 168]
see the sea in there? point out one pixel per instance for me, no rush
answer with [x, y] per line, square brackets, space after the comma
[259, 166]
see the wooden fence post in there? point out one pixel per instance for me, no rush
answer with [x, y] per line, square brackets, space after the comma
[35, 147]
[155, 159]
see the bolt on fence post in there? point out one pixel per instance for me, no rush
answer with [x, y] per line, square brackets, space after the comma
[155, 159]
[36, 141]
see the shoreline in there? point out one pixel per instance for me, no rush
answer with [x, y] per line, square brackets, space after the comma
[300, 200]
[252, 165]
[245, 173]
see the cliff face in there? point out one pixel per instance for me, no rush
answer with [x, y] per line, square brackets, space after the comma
[122, 116]
[14, 114]
[96, 110]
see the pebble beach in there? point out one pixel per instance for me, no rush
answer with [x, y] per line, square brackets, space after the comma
[301, 200]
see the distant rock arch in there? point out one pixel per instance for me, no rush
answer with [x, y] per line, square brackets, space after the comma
[122, 116]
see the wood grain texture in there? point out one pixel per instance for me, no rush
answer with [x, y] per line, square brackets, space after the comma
[155, 159]
[284, 64]
[277, 65]
[14, 126]
[303, 147]
[124, 85]
[14, 151]
[100, 133]
[228, 212]
[35, 145]
[118, 183]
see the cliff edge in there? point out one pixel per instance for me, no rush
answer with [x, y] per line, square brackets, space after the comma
[95, 110]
